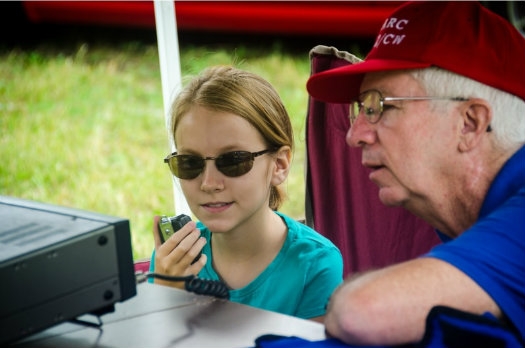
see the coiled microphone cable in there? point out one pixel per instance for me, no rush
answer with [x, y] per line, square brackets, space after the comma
[194, 284]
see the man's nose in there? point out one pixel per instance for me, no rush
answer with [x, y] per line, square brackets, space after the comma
[360, 132]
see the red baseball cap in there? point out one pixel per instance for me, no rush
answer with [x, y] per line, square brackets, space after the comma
[460, 36]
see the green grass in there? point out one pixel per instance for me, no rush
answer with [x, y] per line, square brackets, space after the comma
[84, 126]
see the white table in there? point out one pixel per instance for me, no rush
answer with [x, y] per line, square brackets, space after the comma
[160, 316]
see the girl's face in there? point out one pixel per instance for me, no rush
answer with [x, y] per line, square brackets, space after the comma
[225, 203]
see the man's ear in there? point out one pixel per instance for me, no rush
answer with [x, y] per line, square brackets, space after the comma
[283, 160]
[476, 117]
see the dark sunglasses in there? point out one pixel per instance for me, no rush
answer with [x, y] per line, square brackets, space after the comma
[235, 163]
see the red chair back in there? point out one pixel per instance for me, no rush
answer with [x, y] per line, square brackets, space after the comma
[341, 202]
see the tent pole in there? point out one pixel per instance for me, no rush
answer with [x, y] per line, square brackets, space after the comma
[170, 73]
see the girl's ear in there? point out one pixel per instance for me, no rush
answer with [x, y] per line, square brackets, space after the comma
[476, 118]
[283, 160]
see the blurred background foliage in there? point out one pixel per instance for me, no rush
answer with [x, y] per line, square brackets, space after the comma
[82, 119]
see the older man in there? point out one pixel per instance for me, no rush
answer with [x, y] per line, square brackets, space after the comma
[438, 109]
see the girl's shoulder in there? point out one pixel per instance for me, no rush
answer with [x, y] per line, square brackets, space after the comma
[300, 233]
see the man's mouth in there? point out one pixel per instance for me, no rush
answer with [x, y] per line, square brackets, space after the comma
[372, 166]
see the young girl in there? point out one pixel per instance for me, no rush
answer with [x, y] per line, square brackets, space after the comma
[234, 143]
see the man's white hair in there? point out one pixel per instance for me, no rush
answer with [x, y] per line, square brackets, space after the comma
[508, 121]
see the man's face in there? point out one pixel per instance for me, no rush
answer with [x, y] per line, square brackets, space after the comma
[411, 148]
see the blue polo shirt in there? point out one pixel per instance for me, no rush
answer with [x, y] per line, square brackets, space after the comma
[492, 251]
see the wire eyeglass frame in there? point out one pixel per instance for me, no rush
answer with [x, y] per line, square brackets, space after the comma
[373, 111]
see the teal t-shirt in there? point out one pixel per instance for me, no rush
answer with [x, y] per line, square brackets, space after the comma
[298, 282]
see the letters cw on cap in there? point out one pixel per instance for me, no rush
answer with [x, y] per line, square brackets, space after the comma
[391, 39]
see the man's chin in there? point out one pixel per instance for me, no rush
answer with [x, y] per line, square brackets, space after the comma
[390, 197]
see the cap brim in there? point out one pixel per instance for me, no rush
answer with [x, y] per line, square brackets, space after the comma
[341, 85]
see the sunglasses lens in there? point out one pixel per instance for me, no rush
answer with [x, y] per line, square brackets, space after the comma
[235, 163]
[231, 164]
[186, 166]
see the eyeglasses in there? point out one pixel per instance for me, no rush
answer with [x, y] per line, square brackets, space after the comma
[371, 103]
[232, 164]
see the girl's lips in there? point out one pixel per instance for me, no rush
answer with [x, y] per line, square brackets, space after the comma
[216, 207]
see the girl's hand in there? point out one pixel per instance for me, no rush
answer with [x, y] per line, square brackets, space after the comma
[174, 257]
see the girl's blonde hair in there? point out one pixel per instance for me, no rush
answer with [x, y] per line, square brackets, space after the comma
[239, 92]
